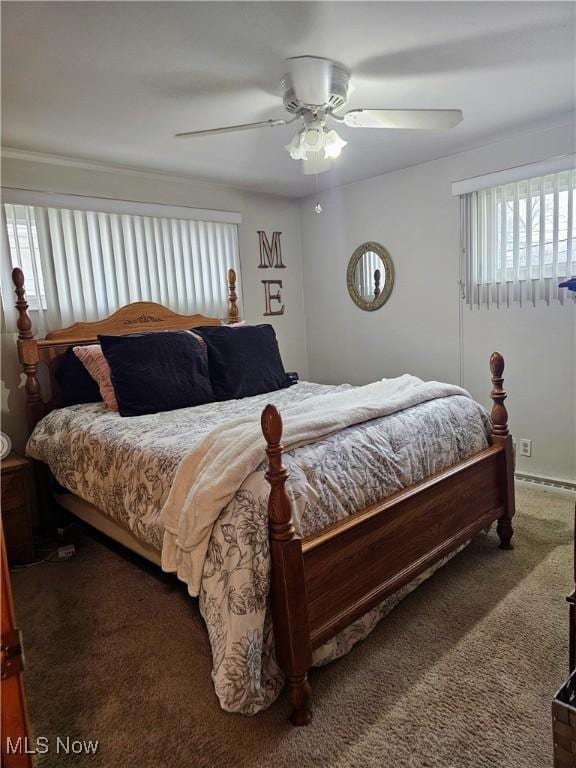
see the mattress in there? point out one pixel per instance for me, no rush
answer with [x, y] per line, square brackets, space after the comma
[125, 467]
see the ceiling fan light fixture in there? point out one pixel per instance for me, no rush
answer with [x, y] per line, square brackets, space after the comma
[313, 138]
[316, 145]
[295, 147]
[333, 145]
[315, 163]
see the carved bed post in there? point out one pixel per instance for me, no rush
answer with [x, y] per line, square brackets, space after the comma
[288, 586]
[27, 353]
[501, 435]
[232, 297]
[376, 283]
[35, 408]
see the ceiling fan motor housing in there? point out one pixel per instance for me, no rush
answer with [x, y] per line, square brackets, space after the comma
[337, 92]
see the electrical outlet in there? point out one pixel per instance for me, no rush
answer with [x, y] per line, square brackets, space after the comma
[525, 447]
[66, 552]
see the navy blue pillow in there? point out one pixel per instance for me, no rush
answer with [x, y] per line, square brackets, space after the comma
[243, 360]
[153, 372]
[76, 384]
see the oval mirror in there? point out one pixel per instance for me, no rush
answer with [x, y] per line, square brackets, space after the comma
[370, 276]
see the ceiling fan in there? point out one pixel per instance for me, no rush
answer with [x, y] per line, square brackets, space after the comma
[314, 90]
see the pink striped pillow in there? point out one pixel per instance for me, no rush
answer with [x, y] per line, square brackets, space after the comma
[202, 343]
[97, 366]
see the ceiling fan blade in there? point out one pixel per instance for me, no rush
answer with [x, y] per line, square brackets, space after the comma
[418, 119]
[311, 77]
[231, 128]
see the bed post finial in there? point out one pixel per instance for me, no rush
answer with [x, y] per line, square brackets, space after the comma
[27, 352]
[288, 585]
[24, 323]
[501, 435]
[232, 297]
[279, 511]
[377, 277]
[499, 413]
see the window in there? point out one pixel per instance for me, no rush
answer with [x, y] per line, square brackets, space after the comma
[518, 239]
[83, 264]
[23, 243]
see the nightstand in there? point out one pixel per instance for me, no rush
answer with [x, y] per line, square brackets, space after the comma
[16, 482]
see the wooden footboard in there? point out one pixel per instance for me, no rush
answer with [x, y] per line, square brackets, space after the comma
[325, 582]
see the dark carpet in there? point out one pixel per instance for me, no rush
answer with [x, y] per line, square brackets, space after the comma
[460, 675]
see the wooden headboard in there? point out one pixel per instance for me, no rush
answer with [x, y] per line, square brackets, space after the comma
[141, 316]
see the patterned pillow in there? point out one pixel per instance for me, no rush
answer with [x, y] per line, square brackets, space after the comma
[97, 366]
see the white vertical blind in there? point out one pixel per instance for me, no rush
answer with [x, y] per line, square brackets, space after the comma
[368, 264]
[517, 240]
[83, 265]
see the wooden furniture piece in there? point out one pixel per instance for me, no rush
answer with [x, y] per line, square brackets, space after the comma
[324, 582]
[141, 316]
[571, 600]
[564, 724]
[377, 276]
[13, 718]
[321, 584]
[16, 484]
[138, 317]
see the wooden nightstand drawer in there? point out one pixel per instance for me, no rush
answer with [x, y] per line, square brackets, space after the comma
[18, 534]
[16, 513]
[13, 491]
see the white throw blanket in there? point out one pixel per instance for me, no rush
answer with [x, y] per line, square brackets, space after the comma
[211, 473]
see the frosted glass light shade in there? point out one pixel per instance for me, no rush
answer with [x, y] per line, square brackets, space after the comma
[316, 147]
[333, 145]
[313, 139]
[296, 147]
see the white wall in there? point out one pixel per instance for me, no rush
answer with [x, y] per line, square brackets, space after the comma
[259, 212]
[412, 213]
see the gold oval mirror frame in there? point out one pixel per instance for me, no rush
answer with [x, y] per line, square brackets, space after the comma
[370, 276]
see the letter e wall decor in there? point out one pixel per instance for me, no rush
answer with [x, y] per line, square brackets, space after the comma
[270, 297]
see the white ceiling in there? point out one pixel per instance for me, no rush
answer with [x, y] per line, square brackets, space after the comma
[113, 81]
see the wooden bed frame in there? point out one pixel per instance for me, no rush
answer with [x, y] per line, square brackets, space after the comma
[322, 583]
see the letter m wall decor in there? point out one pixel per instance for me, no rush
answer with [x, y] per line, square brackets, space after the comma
[270, 253]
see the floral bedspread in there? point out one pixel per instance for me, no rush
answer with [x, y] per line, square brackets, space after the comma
[125, 466]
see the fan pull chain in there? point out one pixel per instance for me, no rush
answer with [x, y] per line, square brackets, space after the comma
[317, 204]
